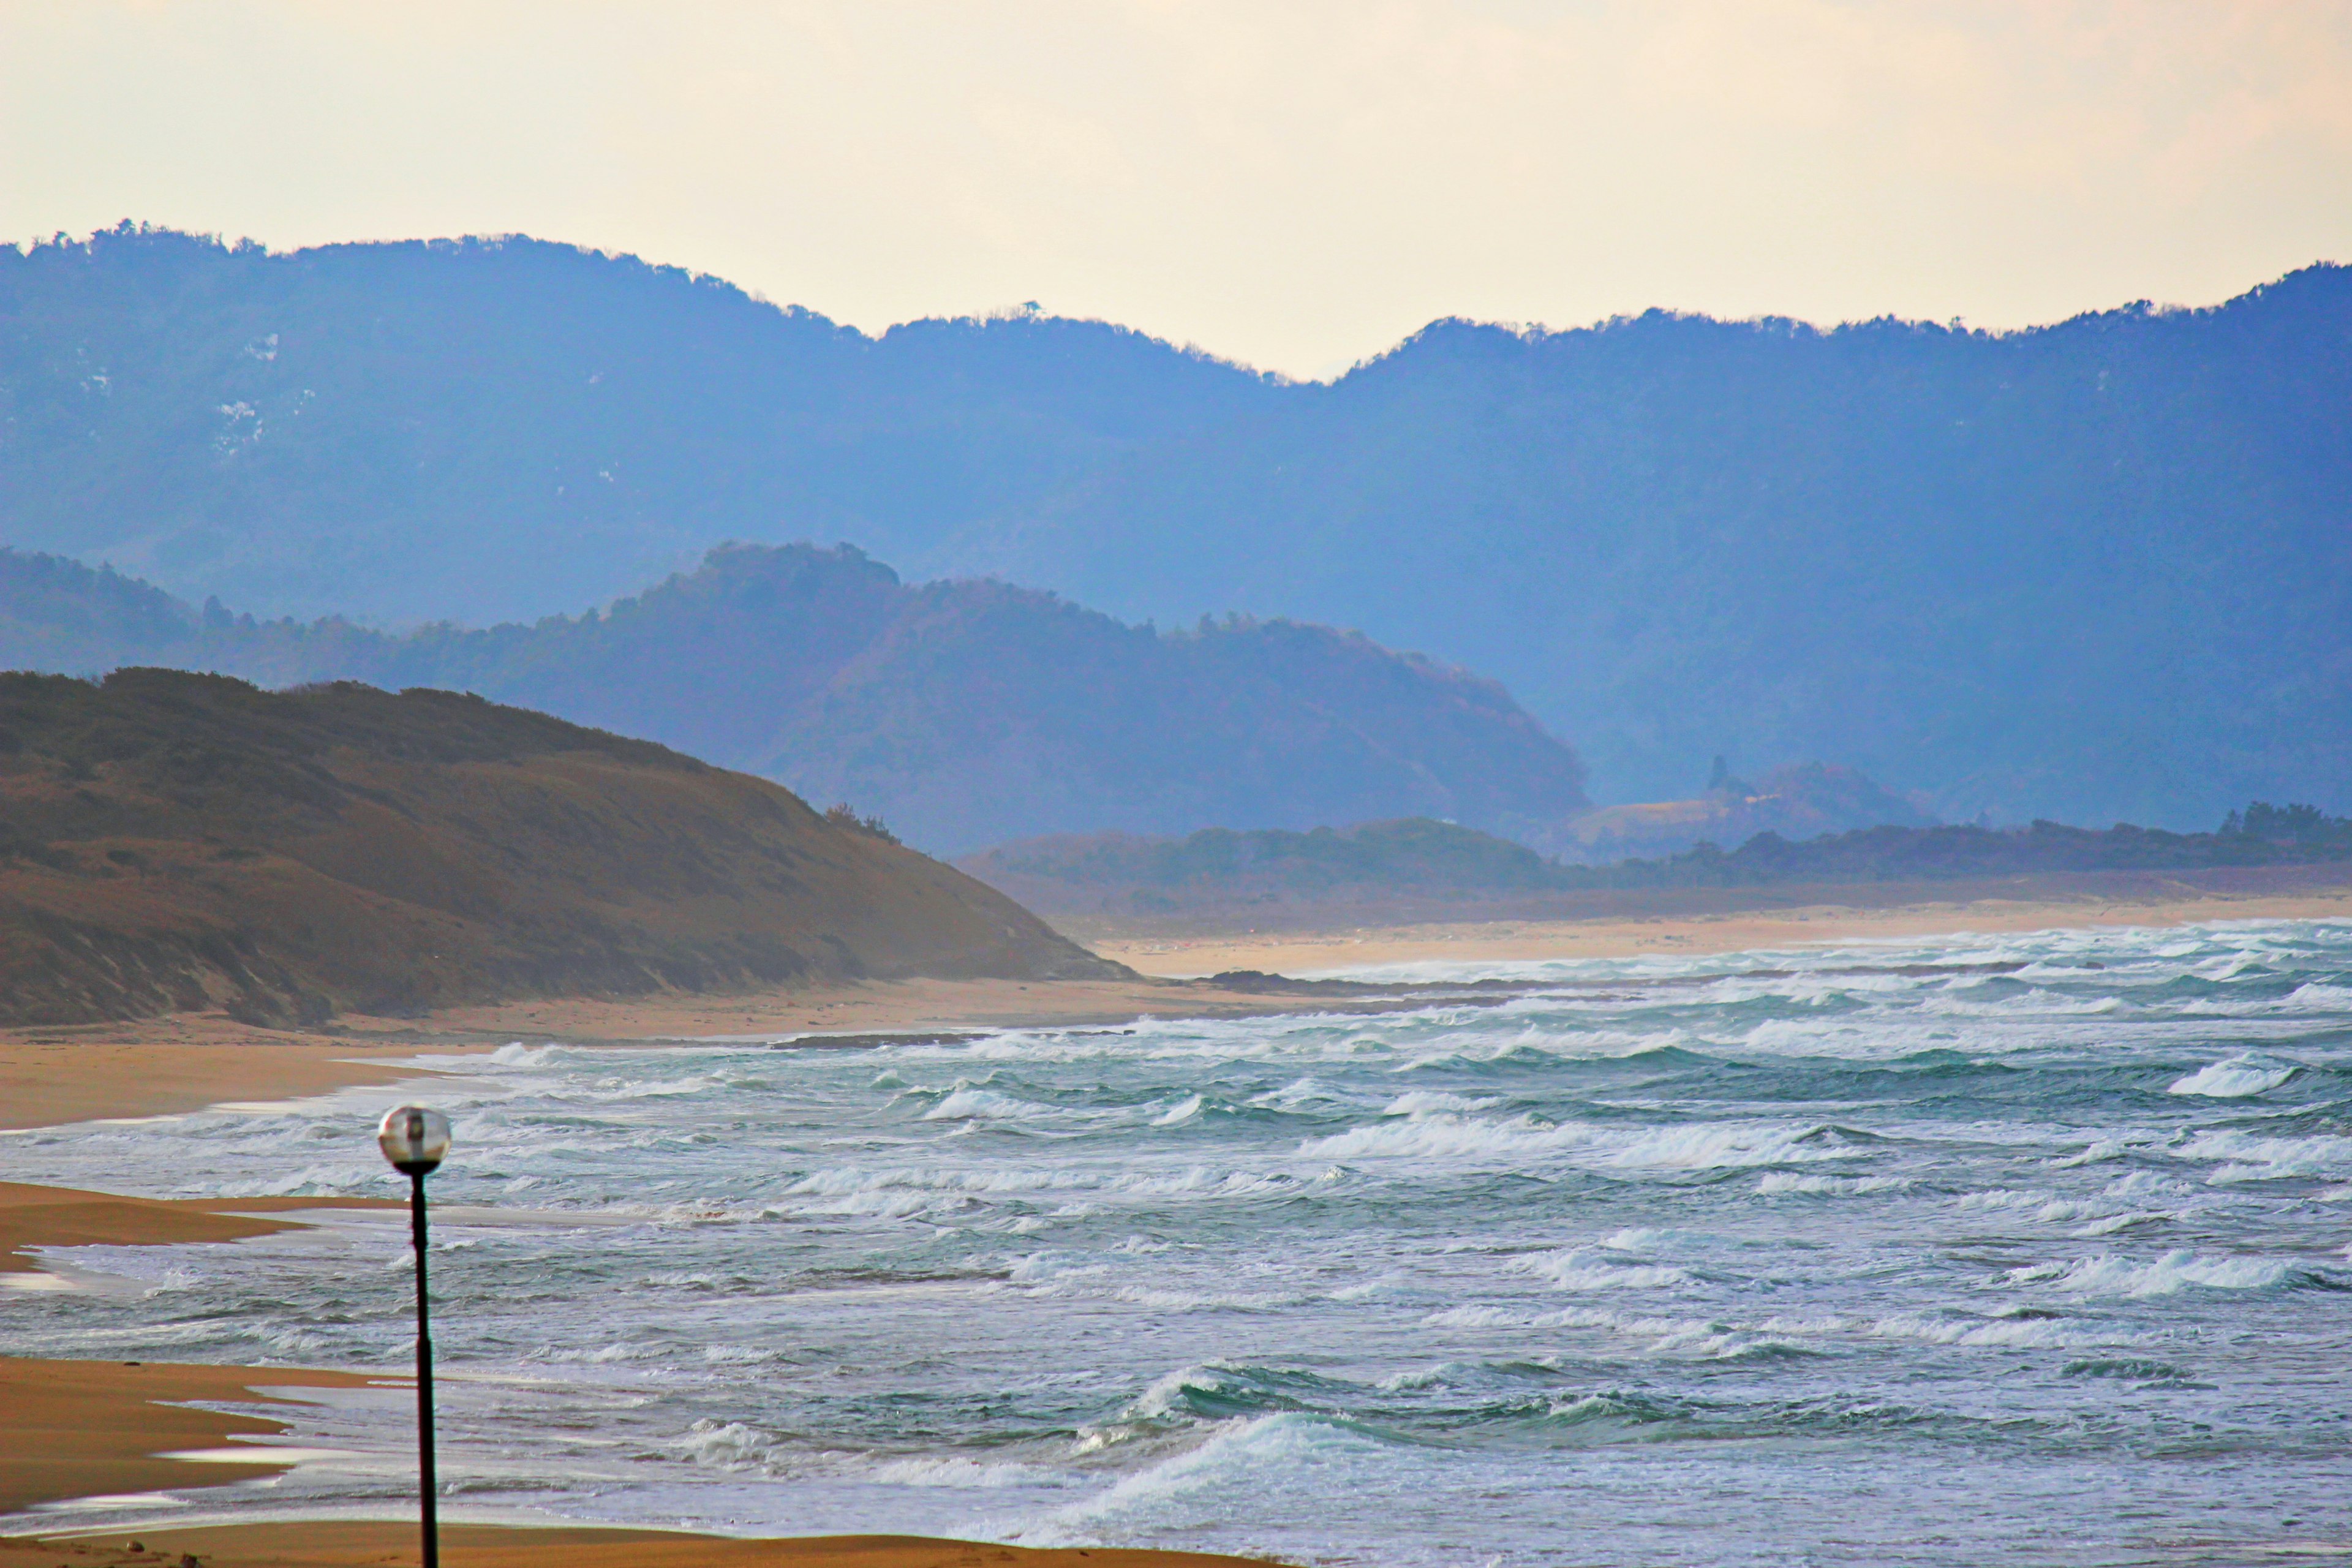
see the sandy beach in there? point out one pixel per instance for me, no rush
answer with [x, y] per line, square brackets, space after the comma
[87, 1428]
[1467, 942]
[82, 1428]
[368, 1544]
[162, 1066]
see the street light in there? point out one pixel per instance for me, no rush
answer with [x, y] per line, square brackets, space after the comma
[417, 1141]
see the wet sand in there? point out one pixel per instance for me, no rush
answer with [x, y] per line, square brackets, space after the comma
[73, 1429]
[65, 1216]
[91, 1428]
[366, 1544]
[86, 1428]
[161, 1066]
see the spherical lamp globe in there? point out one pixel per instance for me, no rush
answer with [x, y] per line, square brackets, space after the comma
[413, 1139]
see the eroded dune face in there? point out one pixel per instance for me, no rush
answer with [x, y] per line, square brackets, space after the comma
[179, 841]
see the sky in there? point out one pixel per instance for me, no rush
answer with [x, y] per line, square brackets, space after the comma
[1293, 183]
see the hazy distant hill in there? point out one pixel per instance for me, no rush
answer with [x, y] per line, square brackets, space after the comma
[961, 713]
[173, 841]
[1435, 871]
[1413, 858]
[1805, 800]
[483, 430]
[2096, 569]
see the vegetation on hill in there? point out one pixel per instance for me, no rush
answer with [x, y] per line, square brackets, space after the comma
[171, 841]
[1426, 862]
[2088, 572]
[2091, 570]
[1218, 864]
[488, 429]
[957, 714]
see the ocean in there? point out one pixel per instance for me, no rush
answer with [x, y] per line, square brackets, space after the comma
[1982, 1250]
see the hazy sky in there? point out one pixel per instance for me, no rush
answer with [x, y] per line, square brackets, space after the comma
[1296, 184]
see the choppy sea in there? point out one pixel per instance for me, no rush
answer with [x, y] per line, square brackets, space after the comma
[1978, 1250]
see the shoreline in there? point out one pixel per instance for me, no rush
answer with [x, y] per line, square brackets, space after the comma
[1309, 951]
[56, 1074]
[370, 1543]
[76, 1430]
[104, 1428]
[98, 1428]
[178, 1063]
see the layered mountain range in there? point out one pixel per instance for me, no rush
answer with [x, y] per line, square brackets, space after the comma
[2091, 571]
[960, 713]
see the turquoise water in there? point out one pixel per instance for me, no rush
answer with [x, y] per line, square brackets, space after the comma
[1976, 1250]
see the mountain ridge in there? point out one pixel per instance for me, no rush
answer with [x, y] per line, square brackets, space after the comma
[2096, 569]
[961, 713]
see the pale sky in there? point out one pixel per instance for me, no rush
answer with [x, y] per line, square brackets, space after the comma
[1289, 183]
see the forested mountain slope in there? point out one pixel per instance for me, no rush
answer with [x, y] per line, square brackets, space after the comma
[484, 430]
[2098, 570]
[963, 713]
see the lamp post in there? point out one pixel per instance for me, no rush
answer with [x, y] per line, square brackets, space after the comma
[417, 1141]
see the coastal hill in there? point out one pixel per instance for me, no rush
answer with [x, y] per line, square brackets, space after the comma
[1419, 869]
[171, 841]
[2090, 572]
[961, 713]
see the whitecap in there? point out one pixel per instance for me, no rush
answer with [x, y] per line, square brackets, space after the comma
[2109, 1274]
[2233, 1078]
[1574, 1269]
[1828, 1186]
[1193, 1488]
[725, 1446]
[2252, 1158]
[1715, 1145]
[1446, 1137]
[1423, 1101]
[966, 1104]
[964, 1474]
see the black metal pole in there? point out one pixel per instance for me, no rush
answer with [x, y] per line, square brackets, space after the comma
[432, 1521]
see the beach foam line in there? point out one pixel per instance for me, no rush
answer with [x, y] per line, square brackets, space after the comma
[36, 1216]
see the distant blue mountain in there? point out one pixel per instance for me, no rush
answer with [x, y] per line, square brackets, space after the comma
[481, 430]
[960, 713]
[2098, 570]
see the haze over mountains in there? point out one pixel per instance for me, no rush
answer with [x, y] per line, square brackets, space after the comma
[1416, 869]
[961, 713]
[2095, 571]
